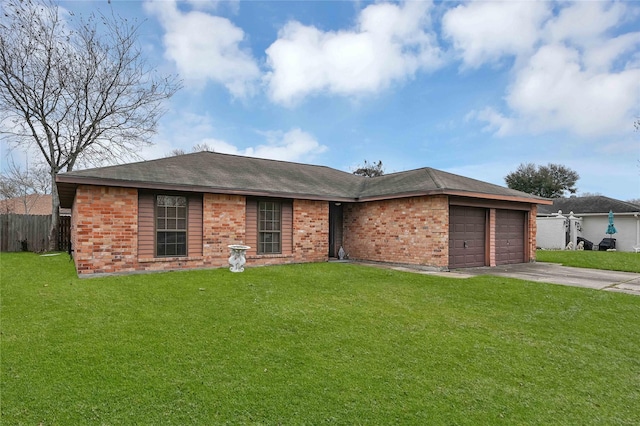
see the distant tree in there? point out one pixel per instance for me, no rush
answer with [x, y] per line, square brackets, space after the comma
[370, 169]
[199, 147]
[75, 90]
[202, 147]
[175, 152]
[635, 201]
[550, 181]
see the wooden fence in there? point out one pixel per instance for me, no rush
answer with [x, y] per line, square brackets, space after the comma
[21, 232]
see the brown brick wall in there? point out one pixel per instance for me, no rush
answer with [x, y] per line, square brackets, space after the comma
[310, 231]
[223, 224]
[533, 229]
[105, 233]
[105, 229]
[408, 230]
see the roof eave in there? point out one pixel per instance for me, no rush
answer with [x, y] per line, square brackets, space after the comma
[444, 191]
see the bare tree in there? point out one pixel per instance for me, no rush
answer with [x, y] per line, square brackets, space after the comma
[203, 147]
[199, 147]
[175, 152]
[76, 90]
[370, 169]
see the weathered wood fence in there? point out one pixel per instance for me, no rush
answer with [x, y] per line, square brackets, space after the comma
[21, 232]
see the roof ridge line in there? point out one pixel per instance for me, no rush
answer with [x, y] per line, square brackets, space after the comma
[435, 180]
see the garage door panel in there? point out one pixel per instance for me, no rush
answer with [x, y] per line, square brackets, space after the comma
[466, 237]
[459, 227]
[510, 236]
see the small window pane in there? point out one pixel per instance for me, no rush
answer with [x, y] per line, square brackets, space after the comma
[269, 226]
[170, 250]
[171, 225]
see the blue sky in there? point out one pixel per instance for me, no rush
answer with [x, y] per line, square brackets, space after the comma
[473, 88]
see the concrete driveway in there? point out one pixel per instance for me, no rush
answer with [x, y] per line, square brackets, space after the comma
[624, 282]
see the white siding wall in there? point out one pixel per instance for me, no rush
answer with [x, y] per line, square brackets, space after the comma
[594, 228]
[551, 232]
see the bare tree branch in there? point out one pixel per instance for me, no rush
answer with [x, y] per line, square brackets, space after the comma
[77, 89]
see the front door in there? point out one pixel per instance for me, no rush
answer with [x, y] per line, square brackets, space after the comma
[335, 228]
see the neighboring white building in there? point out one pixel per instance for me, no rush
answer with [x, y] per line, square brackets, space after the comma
[557, 231]
[588, 217]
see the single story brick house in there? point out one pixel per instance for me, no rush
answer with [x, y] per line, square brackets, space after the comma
[182, 212]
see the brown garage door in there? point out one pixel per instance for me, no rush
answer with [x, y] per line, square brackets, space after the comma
[466, 237]
[510, 236]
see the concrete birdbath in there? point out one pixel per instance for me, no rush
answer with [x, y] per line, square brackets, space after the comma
[237, 259]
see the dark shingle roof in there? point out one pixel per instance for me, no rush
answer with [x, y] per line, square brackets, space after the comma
[432, 180]
[223, 173]
[586, 205]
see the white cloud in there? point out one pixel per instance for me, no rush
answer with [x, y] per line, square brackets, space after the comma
[586, 25]
[214, 5]
[602, 56]
[573, 72]
[553, 91]
[582, 22]
[497, 123]
[483, 32]
[294, 145]
[184, 130]
[206, 48]
[389, 43]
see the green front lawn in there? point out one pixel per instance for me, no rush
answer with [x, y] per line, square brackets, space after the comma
[609, 260]
[310, 344]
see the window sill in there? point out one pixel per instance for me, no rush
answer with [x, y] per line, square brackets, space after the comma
[170, 259]
[269, 256]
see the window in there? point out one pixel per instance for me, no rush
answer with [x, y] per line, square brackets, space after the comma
[269, 227]
[171, 225]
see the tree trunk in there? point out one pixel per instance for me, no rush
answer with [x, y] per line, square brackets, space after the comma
[55, 215]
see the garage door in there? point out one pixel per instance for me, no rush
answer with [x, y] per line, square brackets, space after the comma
[466, 237]
[510, 236]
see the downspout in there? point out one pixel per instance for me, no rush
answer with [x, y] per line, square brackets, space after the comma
[637, 230]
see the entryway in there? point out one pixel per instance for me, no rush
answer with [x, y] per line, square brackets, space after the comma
[335, 229]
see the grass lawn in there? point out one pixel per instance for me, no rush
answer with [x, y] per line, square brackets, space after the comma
[309, 344]
[609, 260]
